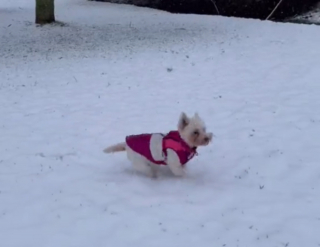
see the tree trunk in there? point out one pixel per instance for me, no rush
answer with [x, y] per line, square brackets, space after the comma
[44, 11]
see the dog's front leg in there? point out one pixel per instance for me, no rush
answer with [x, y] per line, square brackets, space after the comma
[174, 164]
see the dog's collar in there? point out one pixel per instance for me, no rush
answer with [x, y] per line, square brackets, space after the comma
[194, 149]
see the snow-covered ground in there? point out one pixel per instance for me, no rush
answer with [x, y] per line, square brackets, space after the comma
[67, 92]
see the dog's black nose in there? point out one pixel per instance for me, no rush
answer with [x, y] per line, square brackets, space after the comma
[206, 139]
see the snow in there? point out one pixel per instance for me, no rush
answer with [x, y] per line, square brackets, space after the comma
[67, 92]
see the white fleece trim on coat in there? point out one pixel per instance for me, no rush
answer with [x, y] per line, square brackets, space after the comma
[156, 147]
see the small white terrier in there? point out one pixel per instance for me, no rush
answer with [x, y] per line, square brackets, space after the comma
[147, 151]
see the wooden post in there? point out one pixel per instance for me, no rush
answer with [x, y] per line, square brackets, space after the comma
[44, 11]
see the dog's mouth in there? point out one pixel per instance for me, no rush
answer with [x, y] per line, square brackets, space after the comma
[206, 140]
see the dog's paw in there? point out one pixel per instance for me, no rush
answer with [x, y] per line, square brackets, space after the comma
[153, 174]
[181, 172]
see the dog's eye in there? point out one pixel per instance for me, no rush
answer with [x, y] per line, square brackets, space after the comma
[196, 132]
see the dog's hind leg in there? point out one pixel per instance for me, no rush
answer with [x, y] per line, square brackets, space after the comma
[140, 163]
[145, 168]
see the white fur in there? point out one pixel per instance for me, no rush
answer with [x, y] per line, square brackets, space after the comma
[141, 164]
[186, 127]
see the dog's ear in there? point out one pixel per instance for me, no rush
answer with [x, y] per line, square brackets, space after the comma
[183, 121]
[197, 117]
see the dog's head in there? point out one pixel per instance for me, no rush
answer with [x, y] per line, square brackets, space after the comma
[193, 130]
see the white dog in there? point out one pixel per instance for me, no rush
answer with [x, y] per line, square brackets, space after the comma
[175, 149]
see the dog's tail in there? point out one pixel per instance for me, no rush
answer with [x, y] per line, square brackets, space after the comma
[120, 147]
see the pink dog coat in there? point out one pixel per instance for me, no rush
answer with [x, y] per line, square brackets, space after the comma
[141, 144]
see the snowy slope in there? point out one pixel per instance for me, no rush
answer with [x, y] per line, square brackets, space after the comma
[68, 92]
